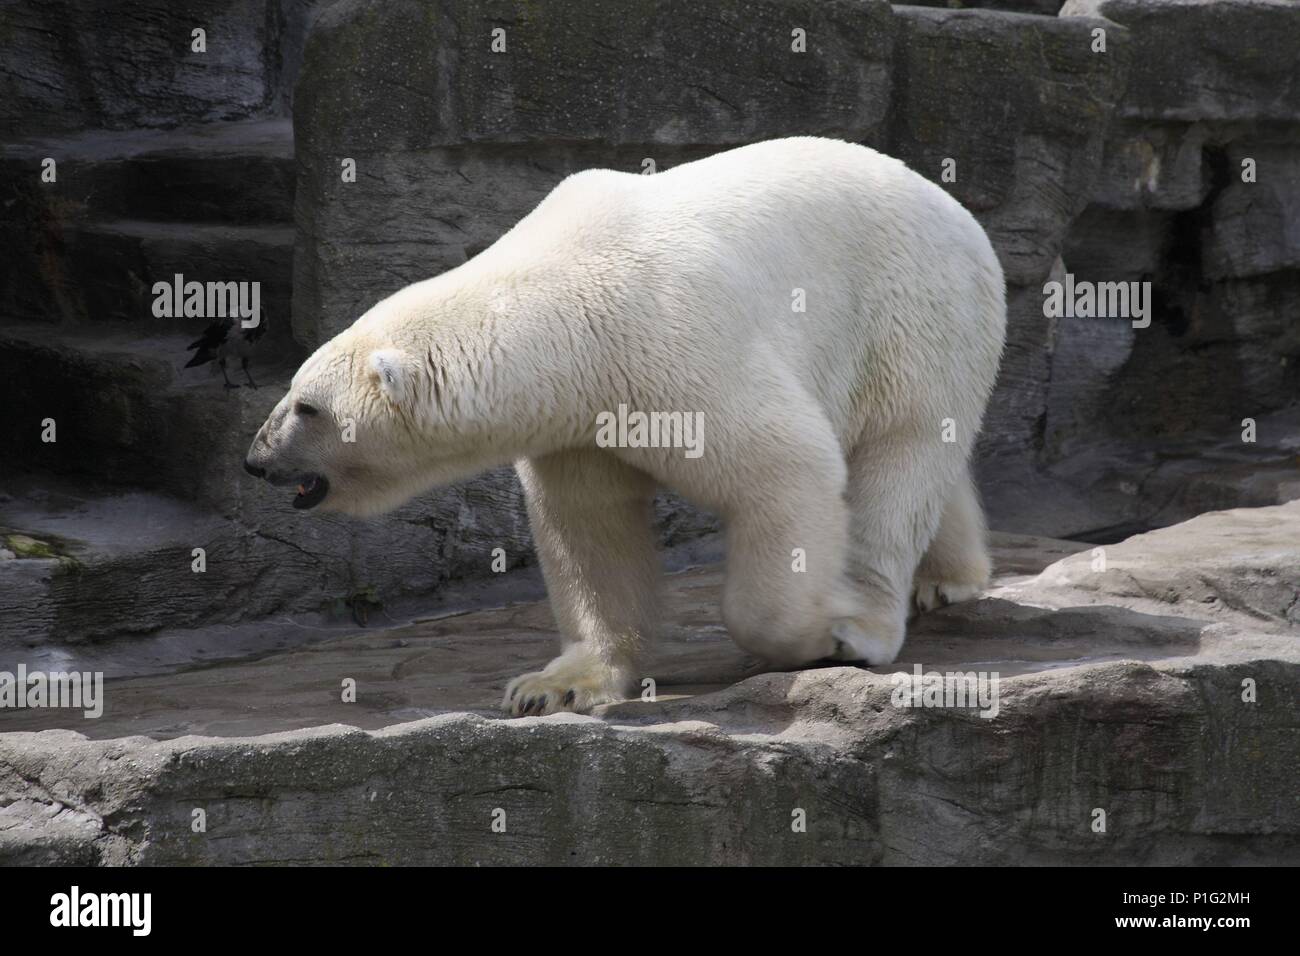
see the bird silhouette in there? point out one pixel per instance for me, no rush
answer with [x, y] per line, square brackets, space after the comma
[222, 340]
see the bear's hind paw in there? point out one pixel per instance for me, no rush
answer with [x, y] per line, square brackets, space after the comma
[929, 594]
[857, 642]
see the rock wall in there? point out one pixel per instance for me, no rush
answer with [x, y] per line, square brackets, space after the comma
[1197, 194]
[469, 141]
[84, 64]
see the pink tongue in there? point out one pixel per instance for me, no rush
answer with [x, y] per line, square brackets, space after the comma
[302, 490]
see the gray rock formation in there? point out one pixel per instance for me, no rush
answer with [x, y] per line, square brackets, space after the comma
[471, 140]
[80, 63]
[1160, 688]
[1048, 8]
[1206, 60]
[1196, 195]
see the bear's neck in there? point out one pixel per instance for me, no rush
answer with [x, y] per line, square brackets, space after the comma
[511, 366]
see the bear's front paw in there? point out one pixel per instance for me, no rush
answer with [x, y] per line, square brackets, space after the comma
[573, 681]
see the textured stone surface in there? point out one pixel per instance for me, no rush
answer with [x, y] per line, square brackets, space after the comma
[125, 558]
[1212, 84]
[1127, 697]
[1207, 59]
[1021, 104]
[1106, 244]
[1220, 348]
[1255, 226]
[1103, 489]
[81, 63]
[601, 71]
[134, 206]
[98, 68]
[236, 172]
[1263, 315]
[1154, 165]
[1239, 567]
[470, 140]
[1048, 8]
[126, 409]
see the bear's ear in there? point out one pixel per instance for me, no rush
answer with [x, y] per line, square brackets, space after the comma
[389, 367]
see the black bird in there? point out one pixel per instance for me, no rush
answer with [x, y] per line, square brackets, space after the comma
[217, 342]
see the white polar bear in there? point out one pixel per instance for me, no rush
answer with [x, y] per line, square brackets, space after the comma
[835, 438]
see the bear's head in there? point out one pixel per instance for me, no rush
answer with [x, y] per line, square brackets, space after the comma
[350, 434]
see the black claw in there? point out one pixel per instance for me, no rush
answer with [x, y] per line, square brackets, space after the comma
[528, 704]
[568, 698]
[541, 703]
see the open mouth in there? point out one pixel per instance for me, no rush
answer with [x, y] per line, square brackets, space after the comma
[311, 491]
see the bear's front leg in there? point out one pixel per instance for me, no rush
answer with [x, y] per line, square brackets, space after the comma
[590, 515]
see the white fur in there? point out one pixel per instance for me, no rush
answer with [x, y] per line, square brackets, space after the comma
[673, 292]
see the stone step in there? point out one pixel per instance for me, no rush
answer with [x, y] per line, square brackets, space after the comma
[131, 420]
[126, 410]
[104, 574]
[239, 171]
[140, 438]
[78, 567]
[85, 561]
[127, 209]
[105, 271]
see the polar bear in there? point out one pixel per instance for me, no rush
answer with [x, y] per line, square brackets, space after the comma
[831, 323]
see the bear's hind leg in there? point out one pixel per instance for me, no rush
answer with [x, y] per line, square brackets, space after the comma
[590, 516]
[896, 492]
[956, 566]
[786, 590]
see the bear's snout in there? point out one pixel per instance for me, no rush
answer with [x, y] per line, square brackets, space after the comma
[253, 469]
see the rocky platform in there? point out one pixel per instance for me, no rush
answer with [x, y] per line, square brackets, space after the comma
[1155, 680]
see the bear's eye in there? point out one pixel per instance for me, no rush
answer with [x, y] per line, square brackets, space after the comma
[302, 408]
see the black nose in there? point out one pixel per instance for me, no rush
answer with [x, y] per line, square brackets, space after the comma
[253, 470]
